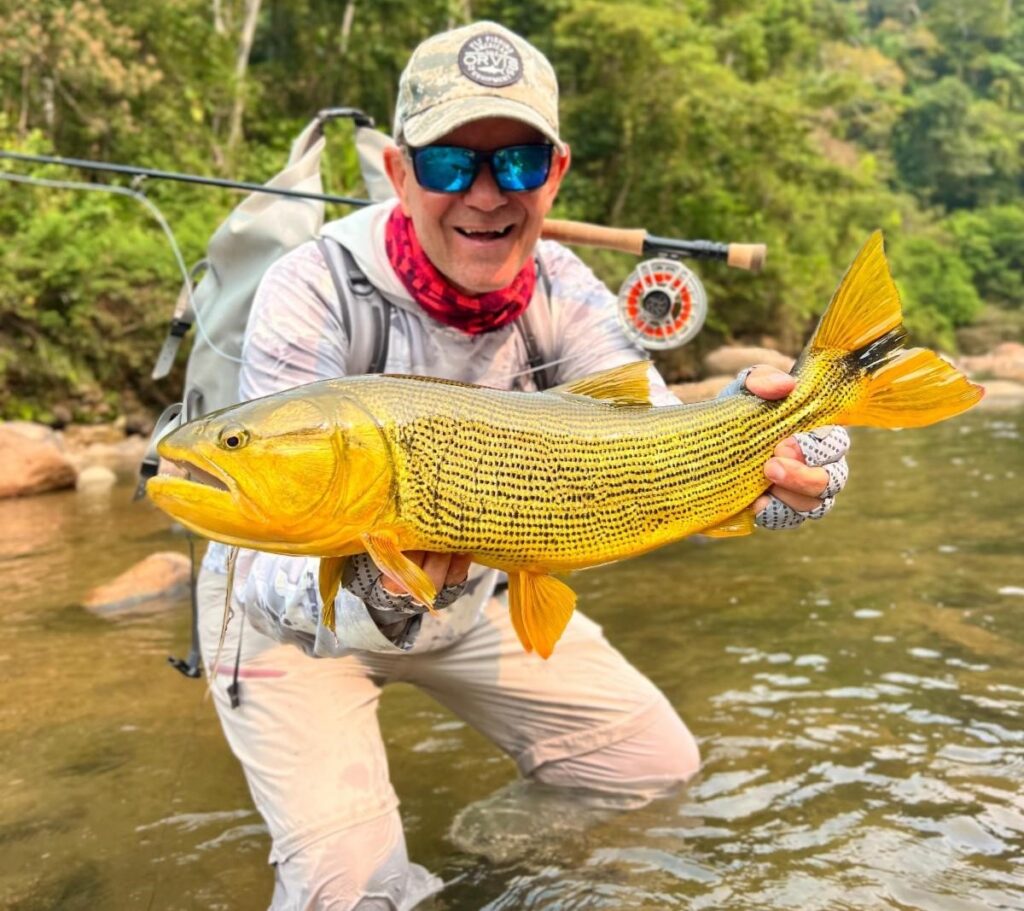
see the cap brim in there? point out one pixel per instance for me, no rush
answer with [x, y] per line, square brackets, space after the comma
[430, 125]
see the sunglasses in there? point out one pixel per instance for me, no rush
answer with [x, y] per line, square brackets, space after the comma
[452, 169]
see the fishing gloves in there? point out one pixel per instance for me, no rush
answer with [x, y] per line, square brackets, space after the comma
[823, 447]
[363, 578]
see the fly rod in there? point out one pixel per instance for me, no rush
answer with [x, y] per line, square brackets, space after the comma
[573, 233]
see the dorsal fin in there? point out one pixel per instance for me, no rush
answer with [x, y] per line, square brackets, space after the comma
[625, 385]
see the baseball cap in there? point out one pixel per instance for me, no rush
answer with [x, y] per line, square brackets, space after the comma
[469, 73]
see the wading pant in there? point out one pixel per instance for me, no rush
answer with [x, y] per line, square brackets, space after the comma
[307, 736]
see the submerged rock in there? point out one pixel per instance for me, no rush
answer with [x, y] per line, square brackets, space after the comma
[95, 479]
[152, 584]
[32, 460]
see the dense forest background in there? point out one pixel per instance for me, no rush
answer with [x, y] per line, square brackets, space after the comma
[801, 123]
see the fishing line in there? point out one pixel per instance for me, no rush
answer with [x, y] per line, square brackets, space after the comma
[229, 613]
[156, 213]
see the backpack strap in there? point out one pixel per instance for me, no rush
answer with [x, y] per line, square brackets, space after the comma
[365, 312]
[366, 315]
[526, 325]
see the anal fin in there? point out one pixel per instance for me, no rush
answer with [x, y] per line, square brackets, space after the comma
[540, 607]
[384, 551]
[331, 569]
[734, 527]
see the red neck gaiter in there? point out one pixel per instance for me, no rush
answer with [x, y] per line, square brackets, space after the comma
[468, 313]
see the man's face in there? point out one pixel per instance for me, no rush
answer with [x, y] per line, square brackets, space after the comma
[479, 239]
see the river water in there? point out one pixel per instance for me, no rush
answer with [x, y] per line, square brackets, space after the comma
[857, 689]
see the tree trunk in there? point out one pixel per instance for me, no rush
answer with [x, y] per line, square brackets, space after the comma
[252, 12]
[26, 83]
[346, 26]
[49, 107]
[218, 18]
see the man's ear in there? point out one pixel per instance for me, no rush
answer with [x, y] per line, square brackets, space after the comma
[562, 162]
[398, 169]
[559, 167]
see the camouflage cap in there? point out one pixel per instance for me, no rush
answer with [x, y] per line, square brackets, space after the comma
[480, 70]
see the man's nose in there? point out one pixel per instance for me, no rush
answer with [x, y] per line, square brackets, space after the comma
[484, 193]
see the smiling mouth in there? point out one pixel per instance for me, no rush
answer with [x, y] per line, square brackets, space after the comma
[476, 234]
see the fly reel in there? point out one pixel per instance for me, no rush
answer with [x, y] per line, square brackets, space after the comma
[662, 304]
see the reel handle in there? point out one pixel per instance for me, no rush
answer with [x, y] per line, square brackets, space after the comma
[638, 242]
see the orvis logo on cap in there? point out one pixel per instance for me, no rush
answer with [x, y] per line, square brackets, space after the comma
[490, 60]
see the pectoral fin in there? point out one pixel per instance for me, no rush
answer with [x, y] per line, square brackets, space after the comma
[331, 569]
[734, 527]
[540, 607]
[384, 551]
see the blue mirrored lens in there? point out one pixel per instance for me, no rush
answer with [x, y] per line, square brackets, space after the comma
[445, 169]
[452, 169]
[519, 168]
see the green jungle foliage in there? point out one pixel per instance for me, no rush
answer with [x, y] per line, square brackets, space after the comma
[801, 123]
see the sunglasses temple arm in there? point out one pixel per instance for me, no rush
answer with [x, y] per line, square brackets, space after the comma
[639, 243]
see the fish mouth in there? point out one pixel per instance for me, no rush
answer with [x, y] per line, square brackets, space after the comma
[205, 499]
[196, 468]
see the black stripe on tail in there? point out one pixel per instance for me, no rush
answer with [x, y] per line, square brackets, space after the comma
[875, 355]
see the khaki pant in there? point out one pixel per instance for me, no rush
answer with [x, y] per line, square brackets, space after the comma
[307, 736]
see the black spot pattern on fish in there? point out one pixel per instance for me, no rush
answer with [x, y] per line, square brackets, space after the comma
[544, 480]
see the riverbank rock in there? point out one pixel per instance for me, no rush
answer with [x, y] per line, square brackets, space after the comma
[105, 445]
[1002, 394]
[731, 359]
[701, 391]
[122, 457]
[32, 460]
[95, 479]
[1004, 362]
[81, 436]
[154, 583]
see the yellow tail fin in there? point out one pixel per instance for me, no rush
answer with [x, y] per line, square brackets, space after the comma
[915, 389]
[906, 387]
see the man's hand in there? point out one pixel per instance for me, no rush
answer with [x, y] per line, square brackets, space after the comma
[441, 569]
[807, 470]
[389, 601]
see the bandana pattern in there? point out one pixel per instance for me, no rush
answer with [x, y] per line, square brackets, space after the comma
[472, 314]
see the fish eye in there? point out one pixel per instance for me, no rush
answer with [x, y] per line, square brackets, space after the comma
[233, 437]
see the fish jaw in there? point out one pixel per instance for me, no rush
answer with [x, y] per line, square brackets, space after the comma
[206, 501]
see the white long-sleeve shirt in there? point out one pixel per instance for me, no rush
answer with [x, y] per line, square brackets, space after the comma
[295, 335]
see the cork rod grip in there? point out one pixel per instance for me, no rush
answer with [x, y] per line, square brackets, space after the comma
[747, 256]
[626, 240]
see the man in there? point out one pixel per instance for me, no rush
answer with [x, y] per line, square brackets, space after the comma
[478, 165]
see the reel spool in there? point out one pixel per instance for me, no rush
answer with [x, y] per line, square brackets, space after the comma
[662, 304]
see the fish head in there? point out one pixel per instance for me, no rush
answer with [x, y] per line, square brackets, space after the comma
[293, 473]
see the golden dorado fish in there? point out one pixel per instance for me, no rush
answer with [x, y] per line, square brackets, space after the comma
[535, 483]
